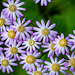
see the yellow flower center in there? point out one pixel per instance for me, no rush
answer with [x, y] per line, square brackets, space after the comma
[51, 46]
[11, 34]
[20, 29]
[4, 62]
[55, 67]
[45, 32]
[72, 62]
[30, 59]
[37, 73]
[2, 21]
[12, 8]
[31, 42]
[13, 50]
[62, 43]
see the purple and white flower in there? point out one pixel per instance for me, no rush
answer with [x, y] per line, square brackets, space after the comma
[8, 35]
[43, 2]
[29, 60]
[21, 28]
[39, 71]
[61, 44]
[12, 9]
[6, 63]
[31, 44]
[45, 31]
[14, 49]
[3, 22]
[71, 61]
[54, 66]
[50, 49]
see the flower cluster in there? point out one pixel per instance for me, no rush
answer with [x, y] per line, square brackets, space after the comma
[22, 42]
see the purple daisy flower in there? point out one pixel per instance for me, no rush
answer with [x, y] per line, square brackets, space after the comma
[31, 44]
[43, 2]
[49, 47]
[22, 31]
[72, 40]
[14, 49]
[12, 9]
[71, 61]
[3, 22]
[55, 66]
[44, 31]
[61, 44]
[39, 71]
[8, 35]
[6, 63]
[1, 49]
[29, 61]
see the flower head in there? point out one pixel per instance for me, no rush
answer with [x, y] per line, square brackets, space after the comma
[14, 49]
[55, 66]
[43, 2]
[21, 28]
[6, 63]
[45, 31]
[39, 71]
[62, 44]
[71, 62]
[8, 35]
[31, 44]
[50, 47]
[3, 22]
[29, 61]
[12, 9]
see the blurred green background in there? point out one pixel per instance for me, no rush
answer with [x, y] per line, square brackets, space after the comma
[61, 12]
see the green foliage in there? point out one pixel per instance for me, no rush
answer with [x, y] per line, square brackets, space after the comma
[61, 12]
